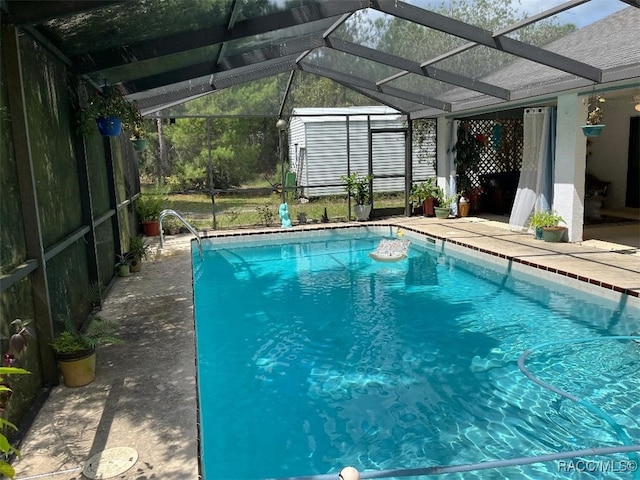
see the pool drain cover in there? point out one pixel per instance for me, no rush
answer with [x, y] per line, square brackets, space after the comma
[110, 462]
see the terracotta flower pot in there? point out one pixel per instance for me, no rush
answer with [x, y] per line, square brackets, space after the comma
[135, 264]
[151, 228]
[428, 207]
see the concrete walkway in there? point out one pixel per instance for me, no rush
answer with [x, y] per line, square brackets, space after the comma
[144, 396]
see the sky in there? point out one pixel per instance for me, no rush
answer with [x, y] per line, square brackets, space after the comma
[580, 16]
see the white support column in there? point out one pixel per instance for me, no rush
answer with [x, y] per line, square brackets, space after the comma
[569, 172]
[443, 136]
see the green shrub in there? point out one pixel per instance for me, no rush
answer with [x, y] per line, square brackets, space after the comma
[71, 340]
[544, 218]
[149, 206]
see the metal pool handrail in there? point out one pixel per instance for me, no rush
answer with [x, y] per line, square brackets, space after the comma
[169, 211]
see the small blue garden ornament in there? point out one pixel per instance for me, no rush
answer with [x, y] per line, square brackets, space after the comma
[283, 211]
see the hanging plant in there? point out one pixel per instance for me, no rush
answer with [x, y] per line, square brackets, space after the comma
[595, 111]
[137, 137]
[110, 111]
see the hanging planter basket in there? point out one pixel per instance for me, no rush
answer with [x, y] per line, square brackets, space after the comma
[109, 126]
[139, 144]
[592, 130]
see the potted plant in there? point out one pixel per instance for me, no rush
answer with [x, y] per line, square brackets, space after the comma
[122, 265]
[595, 111]
[443, 210]
[546, 225]
[149, 206]
[138, 250]
[110, 111]
[76, 350]
[358, 188]
[426, 194]
[171, 226]
[137, 138]
[463, 206]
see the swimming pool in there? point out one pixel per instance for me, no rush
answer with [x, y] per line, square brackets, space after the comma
[312, 356]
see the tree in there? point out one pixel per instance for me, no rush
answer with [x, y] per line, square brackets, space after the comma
[419, 43]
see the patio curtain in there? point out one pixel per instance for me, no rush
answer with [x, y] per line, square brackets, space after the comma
[535, 186]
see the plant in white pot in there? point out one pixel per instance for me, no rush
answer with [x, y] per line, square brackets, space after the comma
[359, 189]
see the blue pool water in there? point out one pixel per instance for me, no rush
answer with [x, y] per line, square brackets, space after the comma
[312, 356]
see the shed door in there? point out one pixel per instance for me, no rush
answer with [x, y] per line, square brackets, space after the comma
[388, 156]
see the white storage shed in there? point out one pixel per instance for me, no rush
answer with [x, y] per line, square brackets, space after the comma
[323, 141]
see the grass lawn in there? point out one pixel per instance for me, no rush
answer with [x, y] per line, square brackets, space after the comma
[235, 210]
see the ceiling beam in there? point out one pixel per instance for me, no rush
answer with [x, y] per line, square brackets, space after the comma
[253, 57]
[392, 102]
[539, 16]
[231, 21]
[468, 46]
[184, 41]
[156, 103]
[253, 72]
[351, 80]
[286, 93]
[414, 67]
[480, 36]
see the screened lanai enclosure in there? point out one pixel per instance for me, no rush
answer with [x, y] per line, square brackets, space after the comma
[68, 199]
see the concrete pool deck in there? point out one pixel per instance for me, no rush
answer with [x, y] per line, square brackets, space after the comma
[144, 396]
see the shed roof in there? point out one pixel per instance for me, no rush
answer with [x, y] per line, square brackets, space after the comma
[314, 114]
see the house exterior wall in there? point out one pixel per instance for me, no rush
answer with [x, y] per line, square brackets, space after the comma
[608, 154]
[568, 178]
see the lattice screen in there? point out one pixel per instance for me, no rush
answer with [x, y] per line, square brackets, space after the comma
[502, 151]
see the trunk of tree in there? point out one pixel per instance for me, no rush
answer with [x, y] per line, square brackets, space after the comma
[210, 168]
[162, 166]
